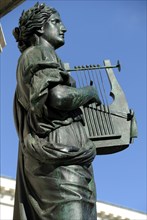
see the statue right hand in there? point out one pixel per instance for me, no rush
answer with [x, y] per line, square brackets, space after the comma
[94, 96]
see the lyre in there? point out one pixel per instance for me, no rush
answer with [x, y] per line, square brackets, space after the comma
[111, 127]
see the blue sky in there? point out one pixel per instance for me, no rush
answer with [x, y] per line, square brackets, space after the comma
[97, 30]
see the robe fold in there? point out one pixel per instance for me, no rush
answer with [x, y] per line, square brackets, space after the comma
[54, 175]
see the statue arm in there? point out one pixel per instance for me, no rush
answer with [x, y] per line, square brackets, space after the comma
[68, 98]
[40, 84]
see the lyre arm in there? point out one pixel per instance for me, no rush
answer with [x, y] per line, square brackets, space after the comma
[119, 103]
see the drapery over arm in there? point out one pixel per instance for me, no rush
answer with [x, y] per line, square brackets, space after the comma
[35, 82]
[58, 154]
[44, 77]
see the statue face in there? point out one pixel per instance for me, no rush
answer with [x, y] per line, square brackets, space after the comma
[53, 31]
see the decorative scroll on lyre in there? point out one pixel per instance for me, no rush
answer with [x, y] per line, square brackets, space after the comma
[111, 127]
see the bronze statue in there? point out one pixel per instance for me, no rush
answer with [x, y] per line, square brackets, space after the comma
[54, 177]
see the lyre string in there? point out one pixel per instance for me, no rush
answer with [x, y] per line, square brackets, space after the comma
[97, 114]
[86, 109]
[106, 108]
[98, 118]
[100, 114]
[105, 127]
[87, 113]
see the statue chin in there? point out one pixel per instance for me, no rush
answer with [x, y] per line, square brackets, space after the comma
[59, 44]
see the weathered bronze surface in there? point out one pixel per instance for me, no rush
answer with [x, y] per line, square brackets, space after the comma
[61, 127]
[54, 177]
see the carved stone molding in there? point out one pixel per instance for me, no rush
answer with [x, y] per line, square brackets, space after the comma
[8, 5]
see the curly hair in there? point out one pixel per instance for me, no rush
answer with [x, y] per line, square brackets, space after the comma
[29, 22]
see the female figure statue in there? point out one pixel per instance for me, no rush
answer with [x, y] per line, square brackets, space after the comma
[54, 176]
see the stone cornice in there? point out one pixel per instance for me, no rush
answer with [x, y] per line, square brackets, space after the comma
[8, 5]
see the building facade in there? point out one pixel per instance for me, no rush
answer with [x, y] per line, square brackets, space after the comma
[8, 5]
[105, 211]
[2, 39]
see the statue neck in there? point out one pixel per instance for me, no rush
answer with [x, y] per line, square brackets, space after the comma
[45, 43]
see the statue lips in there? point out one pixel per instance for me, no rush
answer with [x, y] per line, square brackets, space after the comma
[61, 35]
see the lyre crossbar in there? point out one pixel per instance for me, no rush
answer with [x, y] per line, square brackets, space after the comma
[111, 127]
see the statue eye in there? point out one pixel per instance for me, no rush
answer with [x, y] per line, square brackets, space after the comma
[55, 21]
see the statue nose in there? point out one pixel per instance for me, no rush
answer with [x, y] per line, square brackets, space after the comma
[63, 28]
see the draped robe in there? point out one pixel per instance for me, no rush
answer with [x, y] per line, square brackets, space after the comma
[54, 175]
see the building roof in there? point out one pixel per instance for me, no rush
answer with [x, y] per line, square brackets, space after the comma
[8, 5]
[5, 7]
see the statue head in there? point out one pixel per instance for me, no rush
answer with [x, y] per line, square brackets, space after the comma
[39, 23]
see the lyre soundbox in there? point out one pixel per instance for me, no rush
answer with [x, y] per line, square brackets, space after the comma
[111, 125]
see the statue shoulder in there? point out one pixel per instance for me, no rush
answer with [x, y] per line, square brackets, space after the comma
[35, 54]
[31, 52]
[30, 56]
